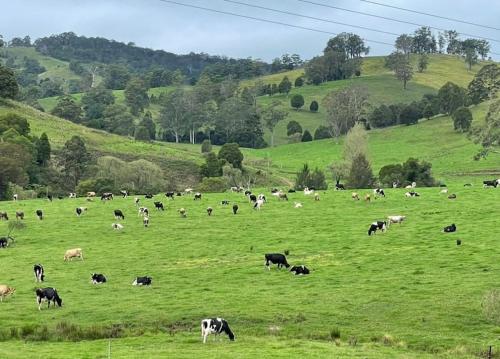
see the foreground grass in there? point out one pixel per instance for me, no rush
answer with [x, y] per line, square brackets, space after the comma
[411, 288]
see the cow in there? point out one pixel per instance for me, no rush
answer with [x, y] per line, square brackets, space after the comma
[412, 194]
[297, 205]
[275, 190]
[142, 281]
[237, 189]
[39, 273]
[283, 196]
[182, 213]
[209, 211]
[4, 215]
[15, 197]
[159, 206]
[248, 192]
[80, 211]
[308, 191]
[252, 198]
[170, 195]
[124, 193]
[5, 291]
[443, 191]
[117, 226]
[459, 242]
[262, 197]
[452, 196]
[291, 190]
[368, 197]
[215, 326]
[450, 229]
[106, 196]
[276, 258]
[178, 194]
[224, 202]
[145, 221]
[148, 196]
[468, 185]
[49, 197]
[258, 204]
[395, 184]
[379, 192]
[235, 208]
[143, 211]
[39, 214]
[412, 185]
[339, 186]
[188, 191]
[493, 183]
[377, 225]
[49, 295]
[395, 219]
[73, 253]
[19, 215]
[197, 196]
[300, 270]
[98, 278]
[119, 214]
[72, 195]
[91, 194]
[5, 241]
[355, 196]
[316, 196]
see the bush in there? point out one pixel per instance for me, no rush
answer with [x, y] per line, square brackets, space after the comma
[141, 133]
[206, 146]
[306, 178]
[410, 114]
[213, 184]
[293, 127]
[390, 174]
[98, 185]
[232, 154]
[360, 174]
[462, 119]
[491, 306]
[212, 166]
[299, 81]
[306, 137]
[335, 333]
[295, 138]
[322, 132]
[382, 116]
[314, 107]
[428, 111]
[451, 97]
[297, 101]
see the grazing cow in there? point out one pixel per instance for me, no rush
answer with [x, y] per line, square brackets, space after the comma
[248, 192]
[339, 186]
[39, 273]
[452, 196]
[39, 214]
[72, 195]
[283, 196]
[443, 191]
[159, 206]
[197, 196]
[119, 214]
[368, 197]
[143, 211]
[170, 195]
[124, 193]
[215, 326]
[188, 191]
[262, 197]
[355, 196]
[73, 253]
[395, 219]
[378, 192]
[297, 205]
[468, 185]
[412, 194]
[49, 197]
[145, 221]
[493, 183]
[235, 208]
[316, 196]
[5, 241]
[148, 196]
[178, 194]
[209, 211]
[182, 212]
[49, 295]
[136, 201]
[252, 198]
[308, 191]
[236, 189]
[224, 202]
[117, 226]
[300, 270]
[80, 210]
[142, 281]
[275, 190]
[107, 196]
[258, 204]
[5, 291]
[19, 215]
[276, 258]
[291, 190]
[15, 197]
[377, 225]
[90, 194]
[4, 215]
[98, 278]
[450, 229]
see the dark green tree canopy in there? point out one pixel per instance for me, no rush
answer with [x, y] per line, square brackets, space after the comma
[293, 127]
[297, 101]
[230, 152]
[314, 106]
[462, 119]
[451, 97]
[306, 137]
[360, 174]
[8, 83]
[68, 109]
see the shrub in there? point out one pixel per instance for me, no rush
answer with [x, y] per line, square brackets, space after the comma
[306, 178]
[360, 174]
[141, 133]
[322, 132]
[206, 146]
[297, 101]
[382, 116]
[410, 114]
[232, 154]
[293, 127]
[462, 119]
[213, 184]
[390, 174]
[306, 137]
[451, 97]
[295, 138]
[428, 111]
[299, 81]
[212, 166]
[314, 107]
[491, 306]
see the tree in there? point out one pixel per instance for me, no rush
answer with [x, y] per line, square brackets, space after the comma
[136, 96]
[293, 127]
[299, 81]
[423, 61]
[95, 100]
[485, 85]
[272, 116]
[462, 119]
[451, 97]
[297, 101]
[43, 149]
[117, 119]
[428, 111]
[314, 107]
[454, 45]
[322, 132]
[212, 166]
[419, 172]
[424, 41]
[74, 159]
[382, 116]
[206, 146]
[391, 174]
[68, 109]
[116, 77]
[51, 88]
[469, 50]
[306, 178]
[16, 122]
[148, 123]
[8, 84]
[360, 174]
[488, 135]
[401, 66]
[14, 161]
[410, 114]
[141, 133]
[404, 44]
[232, 154]
[306, 137]
[441, 42]
[356, 143]
[285, 86]
[173, 112]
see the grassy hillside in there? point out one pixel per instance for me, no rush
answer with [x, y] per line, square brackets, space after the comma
[410, 292]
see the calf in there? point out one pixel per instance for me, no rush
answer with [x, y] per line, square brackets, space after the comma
[235, 208]
[98, 278]
[276, 258]
[368, 197]
[145, 221]
[215, 326]
[299, 270]
[395, 219]
[339, 186]
[4, 215]
[248, 193]
[159, 206]
[39, 273]
[148, 196]
[379, 192]
[117, 226]
[5, 241]
[119, 214]
[275, 190]
[182, 212]
[19, 215]
[450, 229]
[142, 281]
[412, 194]
[209, 211]
[262, 197]
[224, 202]
[452, 196]
[39, 214]
[73, 253]
[297, 205]
[377, 225]
[5, 291]
[355, 196]
[170, 195]
[197, 196]
[188, 190]
[49, 295]
[493, 183]
[72, 195]
[258, 204]
[124, 193]
[80, 210]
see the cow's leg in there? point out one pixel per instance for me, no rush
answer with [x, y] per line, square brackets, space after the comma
[205, 337]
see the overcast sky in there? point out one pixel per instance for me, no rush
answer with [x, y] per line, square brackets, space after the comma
[160, 25]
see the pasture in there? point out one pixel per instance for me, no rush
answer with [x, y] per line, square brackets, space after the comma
[410, 292]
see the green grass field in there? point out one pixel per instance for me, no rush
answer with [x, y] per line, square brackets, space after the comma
[408, 293]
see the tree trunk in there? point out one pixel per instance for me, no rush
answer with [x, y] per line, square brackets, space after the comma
[176, 137]
[272, 138]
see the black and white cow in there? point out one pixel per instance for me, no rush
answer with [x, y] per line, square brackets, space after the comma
[197, 196]
[379, 192]
[450, 229]
[5, 241]
[276, 258]
[300, 270]
[148, 196]
[106, 196]
[377, 225]
[72, 195]
[493, 183]
[224, 202]
[119, 214]
[124, 193]
[98, 278]
[235, 208]
[19, 215]
[142, 281]
[248, 192]
[170, 195]
[159, 206]
[291, 190]
[50, 197]
[261, 197]
[143, 211]
[145, 221]
[275, 190]
[39, 272]
[209, 210]
[49, 295]
[252, 198]
[80, 210]
[39, 214]
[412, 194]
[215, 326]
[4, 215]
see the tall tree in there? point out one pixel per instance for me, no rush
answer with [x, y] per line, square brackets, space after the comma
[485, 85]
[272, 116]
[117, 119]
[68, 109]
[451, 97]
[95, 100]
[469, 51]
[14, 162]
[424, 41]
[423, 61]
[285, 86]
[8, 84]
[360, 174]
[43, 149]
[462, 119]
[173, 113]
[401, 66]
[232, 154]
[404, 44]
[136, 96]
[74, 159]
[116, 77]
[148, 123]
[297, 101]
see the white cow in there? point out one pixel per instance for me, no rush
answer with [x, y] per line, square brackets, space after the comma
[395, 219]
